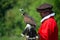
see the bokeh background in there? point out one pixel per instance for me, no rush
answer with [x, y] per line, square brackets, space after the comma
[11, 20]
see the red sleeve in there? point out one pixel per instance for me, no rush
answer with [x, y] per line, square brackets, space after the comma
[44, 31]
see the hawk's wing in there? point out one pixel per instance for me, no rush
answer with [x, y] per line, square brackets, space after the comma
[29, 20]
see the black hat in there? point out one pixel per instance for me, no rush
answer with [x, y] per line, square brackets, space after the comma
[44, 6]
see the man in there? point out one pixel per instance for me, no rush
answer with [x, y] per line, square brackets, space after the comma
[30, 30]
[48, 29]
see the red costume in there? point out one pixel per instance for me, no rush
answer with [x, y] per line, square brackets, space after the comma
[48, 29]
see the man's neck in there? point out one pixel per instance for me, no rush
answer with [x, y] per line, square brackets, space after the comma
[48, 16]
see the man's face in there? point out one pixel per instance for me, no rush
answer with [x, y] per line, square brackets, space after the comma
[44, 13]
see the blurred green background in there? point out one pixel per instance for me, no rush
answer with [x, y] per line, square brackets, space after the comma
[11, 20]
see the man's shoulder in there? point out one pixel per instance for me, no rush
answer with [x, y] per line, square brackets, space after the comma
[51, 20]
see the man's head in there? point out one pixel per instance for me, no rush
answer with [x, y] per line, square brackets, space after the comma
[45, 9]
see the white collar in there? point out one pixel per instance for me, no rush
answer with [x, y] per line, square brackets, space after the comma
[48, 16]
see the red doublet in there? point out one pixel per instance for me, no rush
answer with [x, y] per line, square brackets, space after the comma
[48, 30]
